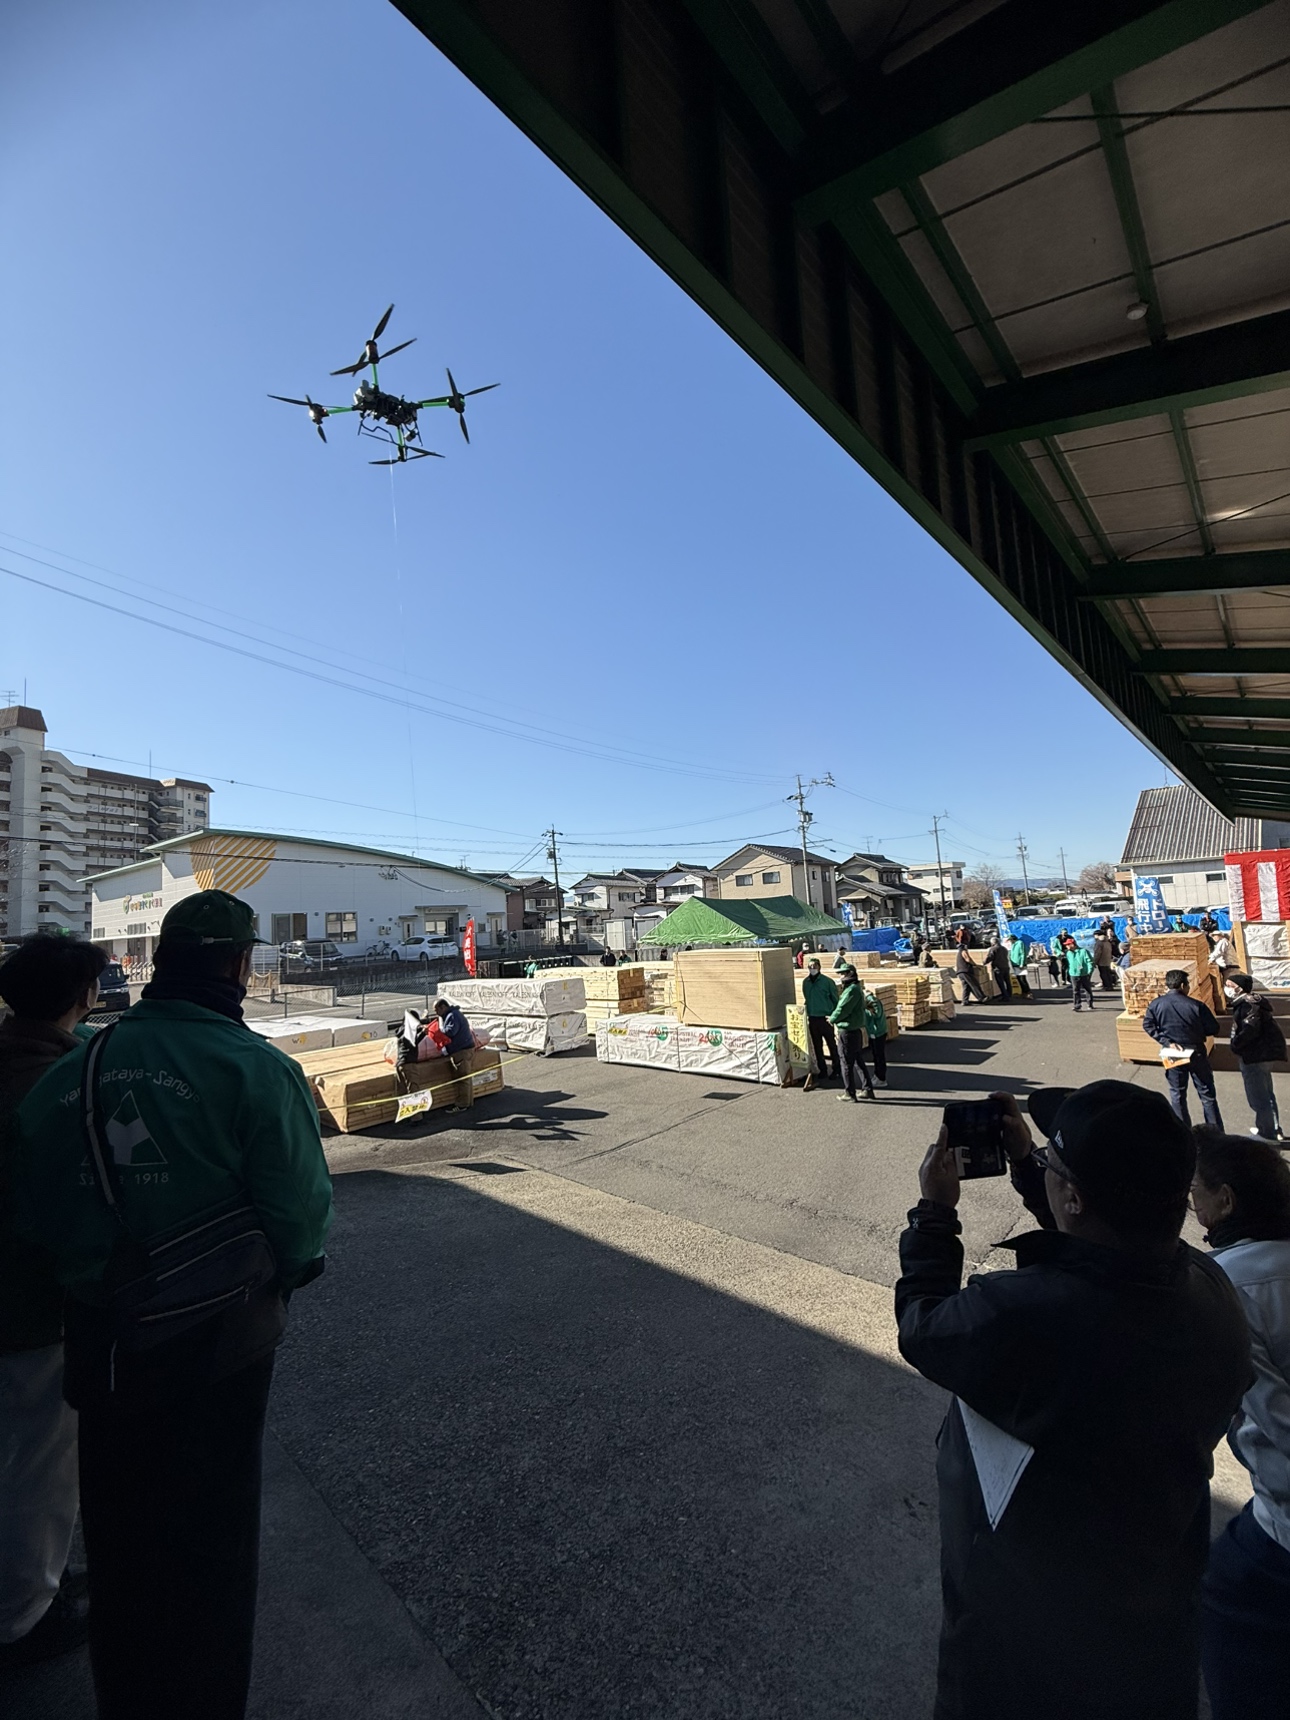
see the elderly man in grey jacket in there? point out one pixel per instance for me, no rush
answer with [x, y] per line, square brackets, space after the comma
[1241, 1194]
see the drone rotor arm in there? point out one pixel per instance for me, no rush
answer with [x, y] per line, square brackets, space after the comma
[441, 400]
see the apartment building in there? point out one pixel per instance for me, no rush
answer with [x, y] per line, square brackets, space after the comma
[61, 821]
[938, 882]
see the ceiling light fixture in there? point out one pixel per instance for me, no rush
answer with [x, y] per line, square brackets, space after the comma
[1136, 311]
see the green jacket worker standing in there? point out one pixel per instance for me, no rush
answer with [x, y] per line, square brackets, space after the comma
[848, 1017]
[189, 1119]
[820, 999]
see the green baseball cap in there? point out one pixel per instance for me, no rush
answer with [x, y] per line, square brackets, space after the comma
[210, 917]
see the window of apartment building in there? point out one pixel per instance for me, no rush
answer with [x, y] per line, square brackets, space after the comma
[627, 895]
[743, 878]
[46, 866]
[771, 877]
[284, 927]
[342, 928]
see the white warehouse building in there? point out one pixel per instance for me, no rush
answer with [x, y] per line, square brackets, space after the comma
[297, 887]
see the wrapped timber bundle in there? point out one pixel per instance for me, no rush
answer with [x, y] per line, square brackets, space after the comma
[744, 988]
[355, 1088]
[663, 1042]
[317, 1032]
[545, 1014]
[1136, 1046]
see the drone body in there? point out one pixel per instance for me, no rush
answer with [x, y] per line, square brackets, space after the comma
[395, 417]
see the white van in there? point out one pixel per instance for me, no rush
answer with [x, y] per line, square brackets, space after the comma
[1071, 908]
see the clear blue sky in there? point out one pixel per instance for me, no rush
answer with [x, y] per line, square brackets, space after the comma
[648, 553]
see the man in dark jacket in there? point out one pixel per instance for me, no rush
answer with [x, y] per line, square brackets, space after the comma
[1258, 1043]
[964, 971]
[1091, 1386]
[996, 957]
[461, 1042]
[1182, 1023]
[51, 984]
[1104, 954]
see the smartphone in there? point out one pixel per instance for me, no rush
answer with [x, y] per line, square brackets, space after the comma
[976, 1134]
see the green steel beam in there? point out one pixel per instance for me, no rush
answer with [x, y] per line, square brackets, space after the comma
[1241, 358]
[1238, 740]
[1245, 570]
[1116, 155]
[1249, 660]
[1020, 61]
[752, 56]
[946, 252]
[1198, 709]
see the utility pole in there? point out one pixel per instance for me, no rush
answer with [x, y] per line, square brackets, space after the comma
[804, 822]
[554, 858]
[940, 870]
[1061, 855]
[1022, 851]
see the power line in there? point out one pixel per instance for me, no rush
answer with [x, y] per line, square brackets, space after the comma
[619, 756]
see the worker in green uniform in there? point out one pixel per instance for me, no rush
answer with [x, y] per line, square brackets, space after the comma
[187, 1118]
[819, 998]
[848, 1017]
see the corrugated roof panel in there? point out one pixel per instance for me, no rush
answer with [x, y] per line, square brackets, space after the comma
[1174, 823]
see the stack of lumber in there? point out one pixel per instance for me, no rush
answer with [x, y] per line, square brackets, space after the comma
[1188, 950]
[940, 992]
[913, 996]
[355, 1088]
[660, 987]
[1145, 981]
[663, 1042]
[859, 959]
[614, 991]
[1135, 1046]
[741, 988]
[546, 1013]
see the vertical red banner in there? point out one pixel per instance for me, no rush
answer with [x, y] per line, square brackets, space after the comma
[468, 947]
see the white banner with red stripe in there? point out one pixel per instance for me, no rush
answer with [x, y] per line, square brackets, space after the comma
[1258, 884]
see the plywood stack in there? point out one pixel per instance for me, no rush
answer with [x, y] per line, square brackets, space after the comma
[317, 1032]
[355, 1088]
[660, 987]
[614, 991]
[859, 959]
[941, 993]
[1188, 950]
[742, 988]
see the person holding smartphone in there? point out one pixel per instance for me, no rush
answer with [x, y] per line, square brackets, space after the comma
[1091, 1384]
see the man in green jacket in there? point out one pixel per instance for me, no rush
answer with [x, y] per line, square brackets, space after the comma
[1079, 965]
[820, 996]
[200, 1114]
[51, 984]
[848, 1016]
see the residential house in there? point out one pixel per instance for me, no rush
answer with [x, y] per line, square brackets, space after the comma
[672, 887]
[1178, 838]
[758, 870]
[941, 882]
[876, 889]
[530, 902]
[602, 906]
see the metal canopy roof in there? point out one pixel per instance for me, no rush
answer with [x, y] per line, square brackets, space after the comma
[1028, 262]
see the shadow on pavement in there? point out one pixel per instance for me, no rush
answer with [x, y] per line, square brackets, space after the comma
[601, 1487]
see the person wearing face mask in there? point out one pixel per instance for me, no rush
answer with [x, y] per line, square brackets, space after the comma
[1257, 1043]
[1241, 1195]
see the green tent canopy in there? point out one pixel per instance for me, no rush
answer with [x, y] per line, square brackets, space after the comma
[704, 921]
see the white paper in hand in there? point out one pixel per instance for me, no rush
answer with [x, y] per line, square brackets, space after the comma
[999, 1458]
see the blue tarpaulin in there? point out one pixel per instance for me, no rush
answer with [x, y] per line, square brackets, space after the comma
[1044, 931]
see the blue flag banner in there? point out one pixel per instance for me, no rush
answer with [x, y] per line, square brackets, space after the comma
[1001, 919]
[1149, 905]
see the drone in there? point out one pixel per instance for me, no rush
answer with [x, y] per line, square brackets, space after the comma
[392, 418]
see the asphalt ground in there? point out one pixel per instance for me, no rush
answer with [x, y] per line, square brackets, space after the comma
[597, 1410]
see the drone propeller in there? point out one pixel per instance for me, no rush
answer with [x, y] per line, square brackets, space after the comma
[371, 354]
[408, 453]
[457, 400]
[316, 412]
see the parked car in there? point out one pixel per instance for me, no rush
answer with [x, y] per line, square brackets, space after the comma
[425, 949]
[1031, 913]
[114, 988]
[320, 955]
[1108, 904]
